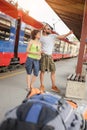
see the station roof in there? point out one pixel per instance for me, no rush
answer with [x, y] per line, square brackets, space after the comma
[14, 12]
[8, 9]
[71, 13]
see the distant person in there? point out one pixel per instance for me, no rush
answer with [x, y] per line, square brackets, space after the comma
[33, 57]
[47, 64]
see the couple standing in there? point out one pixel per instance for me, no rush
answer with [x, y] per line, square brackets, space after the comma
[40, 49]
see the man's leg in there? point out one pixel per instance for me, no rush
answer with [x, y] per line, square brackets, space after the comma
[54, 88]
[42, 81]
[53, 78]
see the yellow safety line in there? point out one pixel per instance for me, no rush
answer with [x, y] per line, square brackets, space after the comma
[10, 75]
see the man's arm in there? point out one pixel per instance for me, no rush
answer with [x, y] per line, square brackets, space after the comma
[65, 35]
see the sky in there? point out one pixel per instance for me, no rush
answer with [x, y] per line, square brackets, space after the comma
[42, 12]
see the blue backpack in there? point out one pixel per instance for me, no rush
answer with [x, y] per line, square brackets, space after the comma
[43, 112]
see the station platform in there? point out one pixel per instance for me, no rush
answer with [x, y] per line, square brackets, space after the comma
[13, 84]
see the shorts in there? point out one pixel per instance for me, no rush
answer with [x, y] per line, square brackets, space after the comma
[32, 65]
[47, 63]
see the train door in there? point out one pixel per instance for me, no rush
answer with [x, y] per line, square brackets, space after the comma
[25, 34]
[15, 59]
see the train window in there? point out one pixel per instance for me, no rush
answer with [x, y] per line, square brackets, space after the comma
[57, 46]
[27, 35]
[62, 46]
[4, 29]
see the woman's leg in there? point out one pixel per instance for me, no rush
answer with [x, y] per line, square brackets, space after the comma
[33, 81]
[35, 72]
[28, 67]
[28, 81]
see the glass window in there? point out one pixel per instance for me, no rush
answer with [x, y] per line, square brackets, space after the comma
[4, 29]
[62, 46]
[57, 46]
[27, 35]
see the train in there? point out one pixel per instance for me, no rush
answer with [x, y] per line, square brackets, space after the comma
[65, 49]
[15, 32]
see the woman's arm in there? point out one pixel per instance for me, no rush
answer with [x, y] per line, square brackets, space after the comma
[28, 47]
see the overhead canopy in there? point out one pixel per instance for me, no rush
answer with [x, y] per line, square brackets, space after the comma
[12, 11]
[8, 9]
[29, 20]
[71, 12]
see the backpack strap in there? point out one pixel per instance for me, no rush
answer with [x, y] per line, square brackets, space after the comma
[37, 112]
[33, 113]
[61, 102]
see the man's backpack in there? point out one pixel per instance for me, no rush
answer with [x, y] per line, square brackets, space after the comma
[43, 112]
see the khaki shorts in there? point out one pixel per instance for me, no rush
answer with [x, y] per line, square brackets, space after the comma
[47, 63]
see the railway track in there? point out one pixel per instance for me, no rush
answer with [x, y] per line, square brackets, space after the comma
[11, 68]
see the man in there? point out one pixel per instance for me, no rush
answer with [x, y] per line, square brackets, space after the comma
[47, 64]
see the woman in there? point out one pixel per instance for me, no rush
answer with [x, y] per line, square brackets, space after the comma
[33, 57]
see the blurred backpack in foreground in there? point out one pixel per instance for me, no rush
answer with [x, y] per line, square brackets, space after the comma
[43, 112]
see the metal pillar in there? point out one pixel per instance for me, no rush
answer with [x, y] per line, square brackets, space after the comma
[83, 41]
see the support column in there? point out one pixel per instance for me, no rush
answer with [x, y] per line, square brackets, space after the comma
[82, 41]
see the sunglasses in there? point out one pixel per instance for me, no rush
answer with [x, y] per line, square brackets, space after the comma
[47, 29]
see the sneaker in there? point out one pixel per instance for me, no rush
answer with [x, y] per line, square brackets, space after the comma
[55, 89]
[42, 88]
[28, 89]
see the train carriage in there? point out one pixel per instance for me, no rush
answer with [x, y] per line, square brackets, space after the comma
[7, 39]
[64, 49]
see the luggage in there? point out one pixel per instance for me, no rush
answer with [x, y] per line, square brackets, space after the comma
[43, 112]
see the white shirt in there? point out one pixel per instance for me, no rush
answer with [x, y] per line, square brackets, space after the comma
[48, 43]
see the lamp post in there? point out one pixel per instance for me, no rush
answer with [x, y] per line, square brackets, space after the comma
[54, 25]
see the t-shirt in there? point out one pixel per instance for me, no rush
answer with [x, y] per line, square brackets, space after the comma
[34, 48]
[47, 43]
